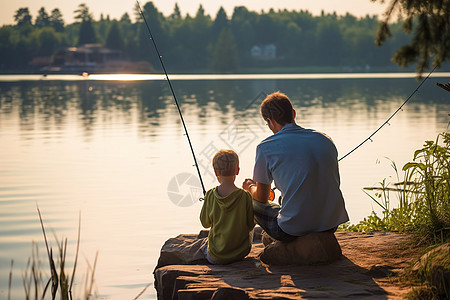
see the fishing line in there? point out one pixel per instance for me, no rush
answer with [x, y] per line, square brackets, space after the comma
[173, 94]
[387, 121]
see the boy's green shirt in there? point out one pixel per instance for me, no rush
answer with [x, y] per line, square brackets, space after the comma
[231, 220]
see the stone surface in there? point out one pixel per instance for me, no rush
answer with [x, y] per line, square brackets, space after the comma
[368, 269]
[313, 248]
[183, 249]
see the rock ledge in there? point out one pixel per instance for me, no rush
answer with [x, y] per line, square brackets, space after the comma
[368, 269]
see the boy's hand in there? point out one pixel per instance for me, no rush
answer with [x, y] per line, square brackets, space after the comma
[247, 183]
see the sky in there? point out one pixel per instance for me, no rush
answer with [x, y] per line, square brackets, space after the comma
[116, 8]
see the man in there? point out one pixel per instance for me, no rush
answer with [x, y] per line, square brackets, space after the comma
[303, 165]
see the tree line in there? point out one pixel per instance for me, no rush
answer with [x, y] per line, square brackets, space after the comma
[200, 42]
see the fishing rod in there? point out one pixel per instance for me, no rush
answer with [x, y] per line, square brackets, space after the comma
[387, 121]
[174, 96]
[272, 195]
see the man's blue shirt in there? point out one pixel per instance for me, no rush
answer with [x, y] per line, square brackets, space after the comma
[303, 165]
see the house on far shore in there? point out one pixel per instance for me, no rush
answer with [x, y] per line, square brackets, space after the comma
[94, 58]
[264, 52]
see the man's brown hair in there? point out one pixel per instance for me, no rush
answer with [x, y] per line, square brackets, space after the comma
[226, 162]
[277, 107]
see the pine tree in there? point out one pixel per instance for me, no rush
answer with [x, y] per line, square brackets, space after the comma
[429, 23]
[176, 15]
[114, 38]
[42, 20]
[87, 33]
[225, 59]
[220, 22]
[56, 20]
[22, 17]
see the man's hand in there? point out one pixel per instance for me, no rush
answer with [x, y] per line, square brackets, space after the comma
[260, 191]
[247, 183]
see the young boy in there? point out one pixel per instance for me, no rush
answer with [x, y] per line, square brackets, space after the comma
[228, 210]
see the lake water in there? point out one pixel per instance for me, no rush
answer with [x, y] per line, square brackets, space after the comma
[115, 151]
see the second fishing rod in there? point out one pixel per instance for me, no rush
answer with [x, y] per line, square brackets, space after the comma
[173, 94]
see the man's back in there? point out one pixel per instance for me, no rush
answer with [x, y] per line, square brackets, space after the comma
[303, 165]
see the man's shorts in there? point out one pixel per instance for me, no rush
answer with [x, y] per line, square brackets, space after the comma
[266, 216]
[207, 256]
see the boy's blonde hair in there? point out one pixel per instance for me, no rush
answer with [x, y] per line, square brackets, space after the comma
[226, 162]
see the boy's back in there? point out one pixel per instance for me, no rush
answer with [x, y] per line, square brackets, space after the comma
[231, 220]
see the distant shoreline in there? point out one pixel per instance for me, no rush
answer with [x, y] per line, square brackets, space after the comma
[255, 70]
[143, 77]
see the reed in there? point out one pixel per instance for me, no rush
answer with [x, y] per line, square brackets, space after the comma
[10, 279]
[423, 194]
[423, 210]
[60, 280]
[32, 276]
[399, 219]
[431, 166]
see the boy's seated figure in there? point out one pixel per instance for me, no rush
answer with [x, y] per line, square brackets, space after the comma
[228, 210]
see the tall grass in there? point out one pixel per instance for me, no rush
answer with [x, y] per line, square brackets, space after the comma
[60, 281]
[431, 166]
[422, 192]
[36, 283]
[10, 280]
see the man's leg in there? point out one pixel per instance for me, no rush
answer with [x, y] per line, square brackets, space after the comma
[266, 216]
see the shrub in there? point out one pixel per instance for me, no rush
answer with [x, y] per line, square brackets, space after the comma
[423, 194]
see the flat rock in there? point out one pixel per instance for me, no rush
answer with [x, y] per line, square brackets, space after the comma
[183, 249]
[368, 268]
[313, 248]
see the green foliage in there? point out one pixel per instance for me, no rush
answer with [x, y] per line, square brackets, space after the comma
[60, 281]
[6, 42]
[423, 195]
[225, 59]
[156, 23]
[429, 24]
[47, 41]
[56, 20]
[329, 34]
[87, 33]
[114, 37]
[188, 43]
[243, 26]
[176, 15]
[83, 14]
[431, 167]
[22, 17]
[219, 24]
[43, 19]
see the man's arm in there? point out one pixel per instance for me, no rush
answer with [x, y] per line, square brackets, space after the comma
[259, 191]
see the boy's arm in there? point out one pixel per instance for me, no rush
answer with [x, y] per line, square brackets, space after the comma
[204, 214]
[250, 216]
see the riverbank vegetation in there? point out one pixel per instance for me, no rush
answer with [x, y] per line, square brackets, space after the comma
[429, 24]
[37, 283]
[240, 40]
[423, 194]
